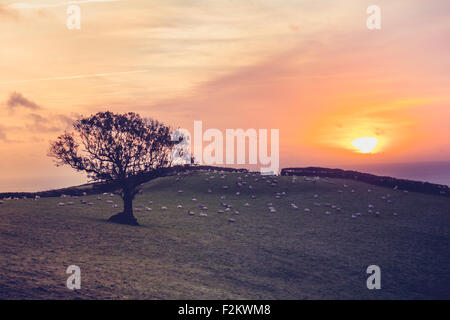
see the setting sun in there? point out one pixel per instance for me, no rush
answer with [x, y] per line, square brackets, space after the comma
[365, 145]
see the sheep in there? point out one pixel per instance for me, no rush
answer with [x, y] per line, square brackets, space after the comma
[150, 202]
[163, 208]
[327, 212]
[307, 210]
[209, 190]
[109, 201]
[90, 204]
[220, 211]
[37, 197]
[395, 214]
[179, 206]
[246, 204]
[148, 209]
[371, 206]
[99, 198]
[231, 220]
[194, 199]
[70, 203]
[377, 213]
[353, 216]
[114, 205]
[191, 213]
[84, 193]
[61, 204]
[201, 214]
[238, 193]
[293, 206]
[236, 212]
[1, 202]
[180, 191]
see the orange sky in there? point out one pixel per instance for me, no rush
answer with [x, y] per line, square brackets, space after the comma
[309, 68]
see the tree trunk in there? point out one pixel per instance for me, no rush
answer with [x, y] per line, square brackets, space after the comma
[126, 217]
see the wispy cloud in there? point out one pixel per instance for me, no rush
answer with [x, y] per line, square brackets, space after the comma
[18, 100]
[6, 11]
[79, 76]
[25, 5]
[45, 124]
[3, 134]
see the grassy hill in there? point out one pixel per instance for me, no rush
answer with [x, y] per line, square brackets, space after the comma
[287, 254]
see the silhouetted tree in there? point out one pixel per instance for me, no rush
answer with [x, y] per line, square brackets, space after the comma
[123, 150]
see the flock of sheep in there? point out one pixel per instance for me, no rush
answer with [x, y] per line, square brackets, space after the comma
[243, 181]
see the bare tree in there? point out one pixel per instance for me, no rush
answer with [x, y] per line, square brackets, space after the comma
[124, 150]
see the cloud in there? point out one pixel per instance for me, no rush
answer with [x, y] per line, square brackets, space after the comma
[7, 12]
[48, 124]
[18, 100]
[24, 5]
[3, 135]
[79, 76]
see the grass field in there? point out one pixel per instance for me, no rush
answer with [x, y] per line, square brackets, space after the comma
[287, 254]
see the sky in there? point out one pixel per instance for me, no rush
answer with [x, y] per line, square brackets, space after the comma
[311, 69]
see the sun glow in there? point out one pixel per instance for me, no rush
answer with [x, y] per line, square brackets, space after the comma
[365, 144]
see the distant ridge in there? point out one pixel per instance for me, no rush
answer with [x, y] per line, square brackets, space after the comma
[384, 181]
